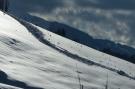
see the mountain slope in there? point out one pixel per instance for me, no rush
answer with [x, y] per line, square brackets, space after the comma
[106, 25]
[38, 58]
[106, 46]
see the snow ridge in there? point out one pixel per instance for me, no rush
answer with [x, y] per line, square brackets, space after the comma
[39, 35]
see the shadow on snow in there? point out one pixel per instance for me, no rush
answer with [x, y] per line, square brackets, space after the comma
[4, 79]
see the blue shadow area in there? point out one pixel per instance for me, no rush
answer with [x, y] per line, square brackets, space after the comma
[4, 79]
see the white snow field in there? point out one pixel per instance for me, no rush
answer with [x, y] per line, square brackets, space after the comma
[34, 58]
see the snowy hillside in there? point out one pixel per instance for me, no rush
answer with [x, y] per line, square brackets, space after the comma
[34, 58]
[106, 25]
[106, 46]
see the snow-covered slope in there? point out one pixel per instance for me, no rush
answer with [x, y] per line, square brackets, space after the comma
[106, 25]
[113, 48]
[34, 58]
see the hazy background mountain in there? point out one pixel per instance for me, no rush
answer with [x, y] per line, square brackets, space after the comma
[105, 19]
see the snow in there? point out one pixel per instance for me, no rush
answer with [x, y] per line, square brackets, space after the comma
[3, 86]
[26, 58]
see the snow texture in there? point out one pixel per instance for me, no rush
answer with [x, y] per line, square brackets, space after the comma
[36, 58]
